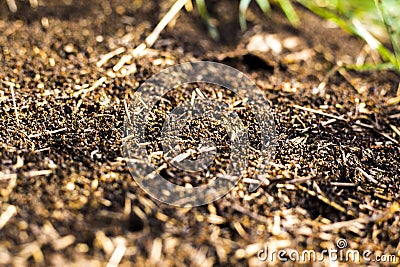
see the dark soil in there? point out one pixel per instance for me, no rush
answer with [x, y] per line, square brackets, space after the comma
[63, 175]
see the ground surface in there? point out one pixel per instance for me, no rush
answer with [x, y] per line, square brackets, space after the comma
[67, 197]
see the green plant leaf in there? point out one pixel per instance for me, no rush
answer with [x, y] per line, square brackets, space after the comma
[264, 5]
[361, 31]
[289, 11]
[372, 67]
[389, 12]
[353, 25]
[212, 30]
[243, 6]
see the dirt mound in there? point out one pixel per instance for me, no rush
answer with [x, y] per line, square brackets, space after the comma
[68, 198]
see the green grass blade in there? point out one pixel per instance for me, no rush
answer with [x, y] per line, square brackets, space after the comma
[371, 67]
[243, 6]
[212, 31]
[264, 5]
[360, 30]
[289, 11]
[353, 26]
[326, 14]
[389, 12]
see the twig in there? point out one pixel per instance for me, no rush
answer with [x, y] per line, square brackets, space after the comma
[253, 215]
[395, 129]
[129, 69]
[363, 220]
[299, 180]
[31, 174]
[34, 3]
[124, 59]
[12, 6]
[385, 198]
[395, 116]
[325, 80]
[350, 80]
[325, 123]
[7, 176]
[105, 58]
[7, 215]
[117, 255]
[91, 88]
[369, 177]
[250, 181]
[48, 132]
[63, 242]
[26, 135]
[42, 149]
[393, 100]
[320, 113]
[12, 85]
[387, 136]
[343, 184]
[127, 111]
[156, 250]
[326, 201]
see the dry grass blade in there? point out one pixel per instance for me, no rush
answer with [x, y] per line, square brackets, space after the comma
[15, 104]
[368, 176]
[7, 176]
[31, 174]
[385, 215]
[153, 36]
[395, 129]
[320, 113]
[7, 215]
[393, 101]
[12, 6]
[34, 3]
[327, 201]
[387, 137]
[48, 132]
[117, 255]
[12, 85]
[63, 242]
[253, 215]
[91, 88]
[105, 58]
